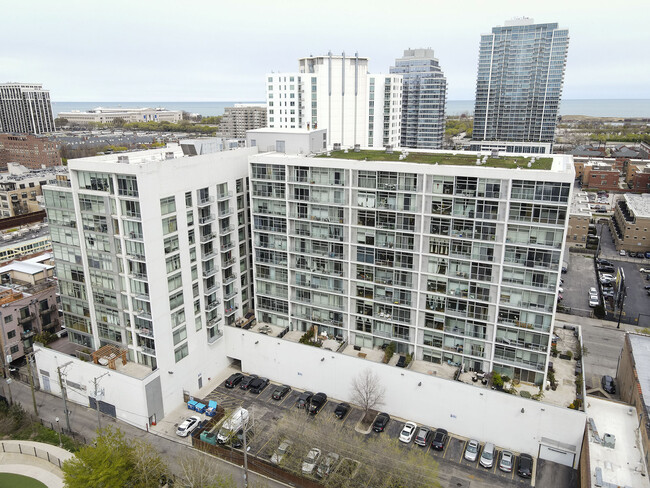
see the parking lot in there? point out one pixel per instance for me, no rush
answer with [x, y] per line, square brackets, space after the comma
[454, 470]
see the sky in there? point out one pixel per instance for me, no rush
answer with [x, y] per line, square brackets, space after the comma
[216, 50]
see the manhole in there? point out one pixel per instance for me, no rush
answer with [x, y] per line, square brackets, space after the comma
[455, 482]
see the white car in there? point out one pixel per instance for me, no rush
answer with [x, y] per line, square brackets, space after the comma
[408, 432]
[309, 463]
[188, 426]
[622, 252]
[560, 290]
[471, 451]
[645, 270]
[593, 291]
[281, 451]
[593, 302]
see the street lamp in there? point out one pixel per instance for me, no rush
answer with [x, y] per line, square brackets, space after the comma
[59, 430]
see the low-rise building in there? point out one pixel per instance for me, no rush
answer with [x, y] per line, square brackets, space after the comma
[33, 152]
[20, 189]
[601, 176]
[638, 176]
[241, 118]
[28, 305]
[631, 223]
[579, 219]
[107, 115]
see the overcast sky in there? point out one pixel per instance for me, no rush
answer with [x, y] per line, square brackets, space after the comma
[215, 50]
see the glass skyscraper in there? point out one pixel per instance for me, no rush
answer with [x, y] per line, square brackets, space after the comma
[520, 75]
[424, 94]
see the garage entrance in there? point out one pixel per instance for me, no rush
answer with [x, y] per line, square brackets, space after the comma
[557, 453]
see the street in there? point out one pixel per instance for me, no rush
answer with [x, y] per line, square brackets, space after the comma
[83, 421]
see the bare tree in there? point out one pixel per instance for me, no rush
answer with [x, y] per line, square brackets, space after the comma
[199, 470]
[367, 390]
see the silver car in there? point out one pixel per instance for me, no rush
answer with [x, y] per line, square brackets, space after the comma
[471, 451]
[507, 461]
[487, 456]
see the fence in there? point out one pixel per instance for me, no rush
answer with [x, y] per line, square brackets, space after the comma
[72, 435]
[17, 447]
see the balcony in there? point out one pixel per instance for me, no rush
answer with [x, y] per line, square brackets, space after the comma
[228, 245]
[49, 309]
[134, 236]
[138, 276]
[142, 314]
[206, 219]
[231, 310]
[142, 297]
[216, 335]
[226, 229]
[229, 279]
[229, 262]
[210, 271]
[207, 237]
[27, 334]
[213, 287]
[211, 305]
[131, 216]
[136, 257]
[205, 201]
[145, 332]
[208, 255]
[224, 195]
[26, 318]
[225, 211]
[148, 350]
[233, 293]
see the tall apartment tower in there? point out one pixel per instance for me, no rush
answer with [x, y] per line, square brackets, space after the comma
[424, 95]
[25, 108]
[153, 264]
[338, 94]
[456, 264]
[519, 85]
[241, 118]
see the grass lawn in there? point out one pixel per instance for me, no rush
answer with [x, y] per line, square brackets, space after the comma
[446, 159]
[10, 480]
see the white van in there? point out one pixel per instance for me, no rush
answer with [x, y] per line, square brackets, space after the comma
[232, 424]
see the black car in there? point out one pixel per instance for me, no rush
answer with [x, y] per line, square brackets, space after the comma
[401, 361]
[380, 422]
[342, 409]
[304, 399]
[439, 440]
[233, 380]
[606, 269]
[280, 392]
[317, 402]
[604, 262]
[246, 381]
[525, 466]
[257, 385]
[423, 436]
[607, 383]
[237, 440]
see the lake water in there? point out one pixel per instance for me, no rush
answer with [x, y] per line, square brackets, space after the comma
[596, 108]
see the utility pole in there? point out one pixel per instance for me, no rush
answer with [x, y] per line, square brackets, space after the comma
[246, 455]
[64, 395]
[31, 381]
[96, 383]
[5, 368]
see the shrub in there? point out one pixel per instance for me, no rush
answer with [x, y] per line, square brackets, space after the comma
[524, 394]
[497, 380]
[570, 354]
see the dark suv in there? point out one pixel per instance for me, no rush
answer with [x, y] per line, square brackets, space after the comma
[439, 440]
[304, 399]
[233, 380]
[423, 436]
[317, 402]
[525, 466]
[608, 385]
[246, 381]
[380, 422]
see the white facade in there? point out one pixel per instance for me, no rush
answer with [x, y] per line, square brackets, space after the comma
[338, 94]
[25, 108]
[289, 141]
[457, 265]
[151, 255]
[101, 115]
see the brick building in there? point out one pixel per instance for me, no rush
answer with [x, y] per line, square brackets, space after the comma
[631, 223]
[32, 152]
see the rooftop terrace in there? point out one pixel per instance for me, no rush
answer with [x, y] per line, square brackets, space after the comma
[449, 159]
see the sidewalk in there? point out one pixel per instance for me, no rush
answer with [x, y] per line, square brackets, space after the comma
[563, 318]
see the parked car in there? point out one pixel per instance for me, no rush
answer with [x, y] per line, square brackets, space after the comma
[304, 399]
[487, 455]
[471, 450]
[309, 463]
[245, 382]
[342, 409]
[622, 252]
[237, 441]
[381, 421]
[233, 380]
[281, 451]
[525, 466]
[423, 437]
[593, 302]
[257, 385]
[507, 461]
[281, 391]
[188, 426]
[408, 431]
[608, 385]
[645, 270]
[593, 291]
[439, 440]
[317, 402]
[606, 269]
[401, 362]
[327, 465]
[604, 262]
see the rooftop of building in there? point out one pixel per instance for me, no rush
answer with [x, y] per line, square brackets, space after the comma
[640, 206]
[109, 110]
[17, 172]
[580, 203]
[459, 158]
[623, 464]
[170, 151]
[641, 352]
[273, 130]
[29, 266]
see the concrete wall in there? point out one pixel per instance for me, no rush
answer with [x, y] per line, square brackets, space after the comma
[507, 420]
[123, 391]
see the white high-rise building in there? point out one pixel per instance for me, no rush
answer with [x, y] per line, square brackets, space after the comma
[151, 252]
[25, 108]
[338, 94]
[458, 264]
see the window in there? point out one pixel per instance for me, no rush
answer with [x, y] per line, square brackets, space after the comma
[168, 205]
[176, 300]
[188, 199]
[11, 334]
[169, 225]
[174, 282]
[13, 349]
[8, 318]
[171, 244]
[180, 353]
[179, 335]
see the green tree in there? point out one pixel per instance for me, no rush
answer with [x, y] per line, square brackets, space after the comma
[119, 122]
[60, 121]
[114, 462]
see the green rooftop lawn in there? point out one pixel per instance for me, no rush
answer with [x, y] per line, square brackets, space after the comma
[447, 159]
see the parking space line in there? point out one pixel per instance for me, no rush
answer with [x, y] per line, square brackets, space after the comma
[444, 451]
[285, 397]
[462, 452]
[262, 448]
